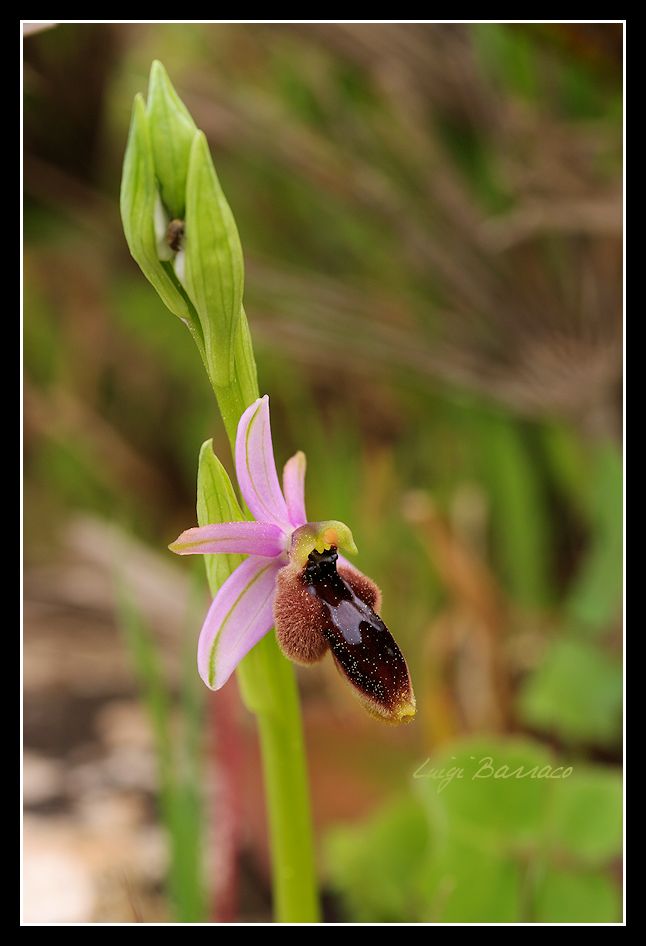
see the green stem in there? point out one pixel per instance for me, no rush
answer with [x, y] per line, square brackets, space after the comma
[269, 689]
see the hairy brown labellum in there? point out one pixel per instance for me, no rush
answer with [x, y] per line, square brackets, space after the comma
[318, 606]
[299, 618]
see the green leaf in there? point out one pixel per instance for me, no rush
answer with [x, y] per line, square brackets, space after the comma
[595, 599]
[466, 884]
[171, 133]
[214, 269]
[568, 464]
[494, 849]
[586, 818]
[563, 896]
[375, 864]
[495, 799]
[576, 693]
[216, 502]
[520, 521]
[138, 201]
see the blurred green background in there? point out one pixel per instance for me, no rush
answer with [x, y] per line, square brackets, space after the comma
[431, 220]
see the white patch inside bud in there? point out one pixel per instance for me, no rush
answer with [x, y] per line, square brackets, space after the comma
[164, 251]
[179, 265]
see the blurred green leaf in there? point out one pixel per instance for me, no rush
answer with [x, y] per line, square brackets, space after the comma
[586, 819]
[595, 599]
[520, 522]
[467, 884]
[376, 864]
[576, 693]
[493, 849]
[568, 462]
[568, 897]
[496, 802]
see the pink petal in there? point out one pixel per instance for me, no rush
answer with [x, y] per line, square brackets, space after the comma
[294, 488]
[245, 538]
[256, 467]
[240, 614]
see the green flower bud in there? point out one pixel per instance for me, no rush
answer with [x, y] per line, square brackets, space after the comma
[141, 210]
[214, 272]
[179, 226]
[171, 134]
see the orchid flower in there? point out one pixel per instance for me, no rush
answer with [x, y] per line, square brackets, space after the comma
[294, 580]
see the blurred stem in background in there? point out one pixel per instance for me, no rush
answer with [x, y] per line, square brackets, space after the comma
[179, 773]
[182, 233]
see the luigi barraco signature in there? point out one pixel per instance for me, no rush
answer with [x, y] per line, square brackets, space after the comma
[486, 768]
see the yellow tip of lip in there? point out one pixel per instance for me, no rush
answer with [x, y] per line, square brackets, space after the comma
[406, 712]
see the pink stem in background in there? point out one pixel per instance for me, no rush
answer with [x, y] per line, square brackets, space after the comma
[227, 804]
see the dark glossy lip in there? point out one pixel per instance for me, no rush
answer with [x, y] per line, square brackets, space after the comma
[363, 648]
